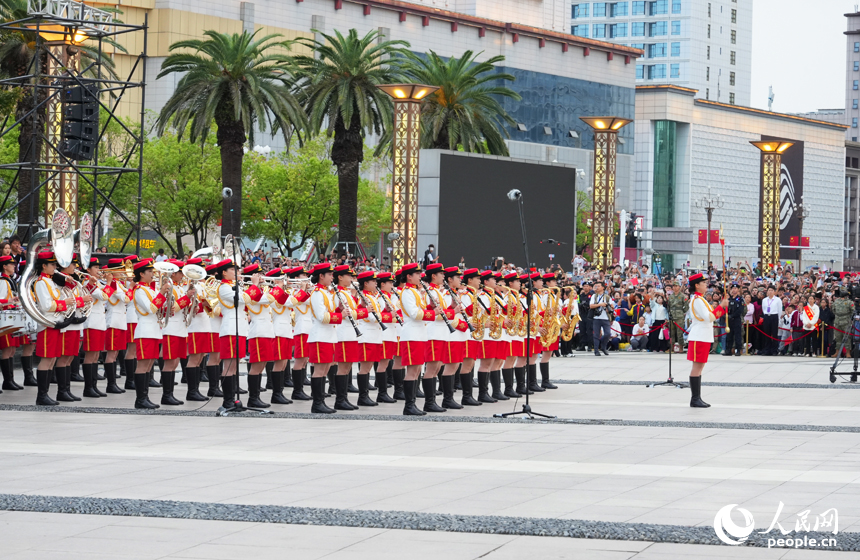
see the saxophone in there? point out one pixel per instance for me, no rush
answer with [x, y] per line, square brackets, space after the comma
[570, 320]
[479, 317]
[497, 318]
[515, 313]
[550, 319]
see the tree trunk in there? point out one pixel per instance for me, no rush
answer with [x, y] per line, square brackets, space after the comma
[29, 150]
[179, 252]
[347, 153]
[231, 140]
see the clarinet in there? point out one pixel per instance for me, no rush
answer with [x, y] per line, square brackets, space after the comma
[346, 307]
[438, 305]
[369, 307]
[390, 307]
[457, 302]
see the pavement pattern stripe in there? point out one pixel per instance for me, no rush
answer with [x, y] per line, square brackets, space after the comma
[455, 419]
[277, 456]
[524, 526]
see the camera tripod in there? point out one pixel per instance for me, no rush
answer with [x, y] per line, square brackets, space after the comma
[855, 339]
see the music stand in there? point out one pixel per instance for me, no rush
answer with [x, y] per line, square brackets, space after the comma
[516, 196]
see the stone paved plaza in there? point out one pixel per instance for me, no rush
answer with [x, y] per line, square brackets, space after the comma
[632, 468]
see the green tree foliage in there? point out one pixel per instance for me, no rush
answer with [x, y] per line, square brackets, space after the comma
[235, 81]
[465, 112]
[338, 88]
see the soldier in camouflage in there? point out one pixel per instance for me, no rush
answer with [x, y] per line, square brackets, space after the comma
[677, 309]
[843, 310]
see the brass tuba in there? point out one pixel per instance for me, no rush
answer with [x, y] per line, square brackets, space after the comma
[61, 236]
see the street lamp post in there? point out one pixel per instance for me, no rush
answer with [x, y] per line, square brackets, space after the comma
[603, 193]
[710, 203]
[771, 164]
[802, 210]
[580, 176]
[406, 143]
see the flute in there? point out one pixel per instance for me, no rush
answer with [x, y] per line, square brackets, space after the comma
[458, 303]
[369, 307]
[346, 308]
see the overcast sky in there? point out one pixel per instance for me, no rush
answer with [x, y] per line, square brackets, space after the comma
[799, 48]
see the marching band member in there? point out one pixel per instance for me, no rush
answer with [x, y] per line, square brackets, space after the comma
[27, 343]
[516, 342]
[472, 277]
[701, 336]
[8, 342]
[261, 336]
[49, 343]
[303, 321]
[75, 325]
[550, 281]
[536, 347]
[131, 324]
[147, 333]
[116, 338]
[489, 347]
[322, 337]
[438, 334]
[282, 321]
[417, 312]
[213, 362]
[503, 344]
[198, 342]
[94, 334]
[346, 351]
[386, 299]
[370, 346]
[234, 328]
[454, 350]
[521, 363]
[175, 335]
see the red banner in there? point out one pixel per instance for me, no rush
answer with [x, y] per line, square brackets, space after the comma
[703, 236]
[794, 241]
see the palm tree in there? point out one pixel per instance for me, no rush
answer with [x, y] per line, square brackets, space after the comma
[234, 80]
[465, 111]
[18, 50]
[339, 91]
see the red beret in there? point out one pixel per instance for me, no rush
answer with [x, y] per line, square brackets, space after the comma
[486, 274]
[384, 277]
[321, 268]
[115, 262]
[226, 263]
[696, 278]
[434, 268]
[274, 273]
[549, 276]
[295, 272]
[512, 276]
[398, 272]
[452, 271]
[471, 273]
[367, 275]
[212, 268]
[131, 258]
[145, 263]
[93, 261]
[6, 258]
[535, 276]
[524, 276]
[177, 262]
[252, 268]
[497, 275]
[410, 268]
[197, 261]
[47, 256]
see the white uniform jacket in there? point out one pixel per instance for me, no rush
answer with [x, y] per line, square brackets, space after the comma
[702, 326]
[147, 302]
[176, 325]
[116, 306]
[325, 319]
[415, 314]
[226, 294]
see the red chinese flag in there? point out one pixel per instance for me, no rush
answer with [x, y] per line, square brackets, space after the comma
[793, 241]
[715, 236]
[703, 236]
[804, 242]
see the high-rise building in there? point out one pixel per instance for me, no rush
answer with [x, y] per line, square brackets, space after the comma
[704, 45]
[852, 76]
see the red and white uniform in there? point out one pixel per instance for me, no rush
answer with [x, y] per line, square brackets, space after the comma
[370, 348]
[455, 347]
[116, 337]
[49, 343]
[229, 311]
[261, 330]
[416, 316]
[72, 333]
[701, 333]
[282, 309]
[175, 333]
[304, 321]
[388, 303]
[147, 333]
[322, 336]
[6, 295]
[347, 347]
[199, 340]
[96, 323]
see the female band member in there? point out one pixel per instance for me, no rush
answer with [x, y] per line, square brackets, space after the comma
[454, 350]
[94, 334]
[387, 300]
[417, 312]
[346, 350]
[175, 336]
[261, 335]
[303, 321]
[701, 336]
[322, 336]
[71, 345]
[116, 338]
[198, 342]
[147, 333]
[472, 277]
[233, 341]
[370, 347]
[8, 342]
[213, 362]
[131, 324]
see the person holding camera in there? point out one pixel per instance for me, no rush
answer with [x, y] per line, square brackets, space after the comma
[602, 308]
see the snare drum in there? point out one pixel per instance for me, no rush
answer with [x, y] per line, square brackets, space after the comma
[11, 321]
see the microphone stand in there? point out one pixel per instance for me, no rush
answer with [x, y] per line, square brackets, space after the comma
[670, 381]
[527, 409]
[237, 401]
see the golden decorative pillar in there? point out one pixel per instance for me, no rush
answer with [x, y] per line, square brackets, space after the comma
[771, 171]
[61, 187]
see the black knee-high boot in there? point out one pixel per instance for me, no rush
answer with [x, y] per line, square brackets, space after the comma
[9, 376]
[89, 392]
[382, 395]
[389, 373]
[696, 390]
[278, 388]
[430, 396]
[318, 394]
[522, 387]
[27, 366]
[43, 379]
[270, 369]
[342, 393]
[120, 360]
[228, 390]
[332, 384]
[141, 388]
[64, 385]
[214, 373]
[544, 376]
[110, 375]
[399, 376]
[364, 390]
[484, 387]
[466, 383]
[533, 384]
[508, 378]
[151, 375]
[75, 370]
[448, 392]
[193, 392]
[254, 383]
[410, 388]
[288, 378]
[496, 381]
[96, 377]
[168, 382]
[352, 388]
[183, 363]
[298, 376]
[418, 386]
[130, 365]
